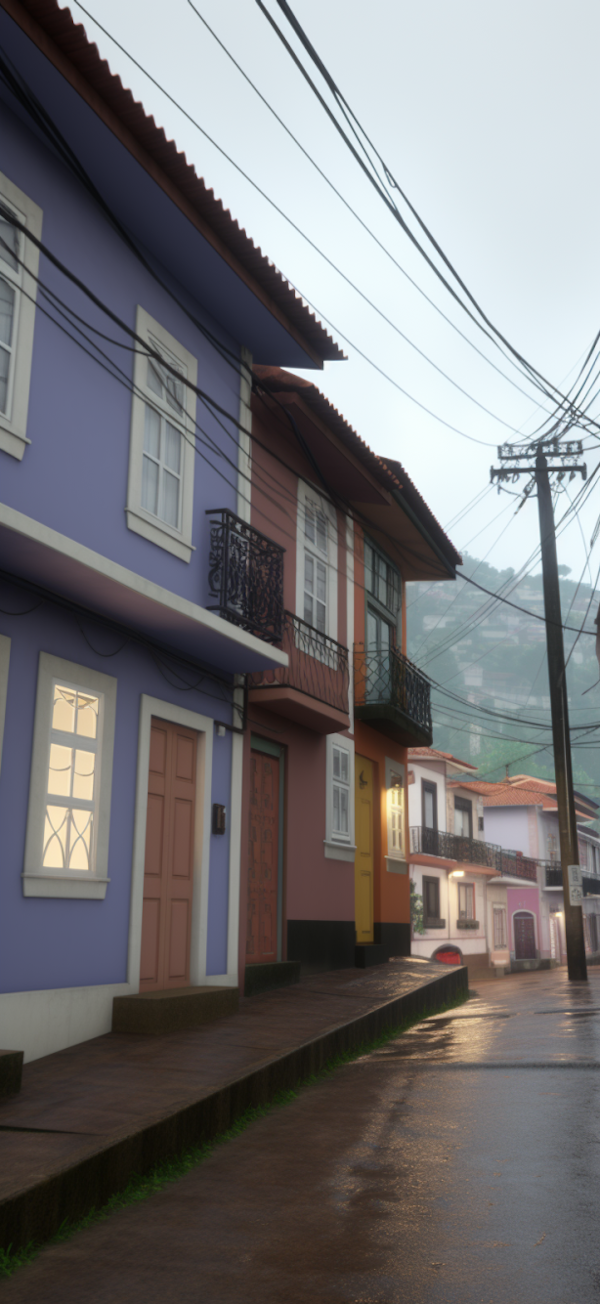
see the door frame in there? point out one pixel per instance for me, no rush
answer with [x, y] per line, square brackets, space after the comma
[258, 744]
[203, 726]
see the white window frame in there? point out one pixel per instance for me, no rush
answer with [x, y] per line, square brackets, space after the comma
[396, 860]
[339, 846]
[461, 889]
[500, 911]
[13, 423]
[308, 494]
[178, 541]
[39, 882]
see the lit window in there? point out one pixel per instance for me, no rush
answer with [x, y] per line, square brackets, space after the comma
[72, 787]
[396, 800]
[341, 792]
[66, 851]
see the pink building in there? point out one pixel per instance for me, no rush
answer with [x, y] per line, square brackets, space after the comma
[325, 883]
[521, 813]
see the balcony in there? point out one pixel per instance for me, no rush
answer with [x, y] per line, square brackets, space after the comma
[246, 576]
[392, 696]
[591, 882]
[313, 689]
[472, 851]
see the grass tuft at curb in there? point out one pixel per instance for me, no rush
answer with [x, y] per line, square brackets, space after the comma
[142, 1186]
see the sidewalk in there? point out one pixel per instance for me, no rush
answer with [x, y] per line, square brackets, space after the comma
[90, 1117]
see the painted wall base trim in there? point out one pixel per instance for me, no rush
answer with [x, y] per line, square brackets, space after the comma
[42, 1022]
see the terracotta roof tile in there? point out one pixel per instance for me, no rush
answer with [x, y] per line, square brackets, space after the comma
[524, 790]
[434, 754]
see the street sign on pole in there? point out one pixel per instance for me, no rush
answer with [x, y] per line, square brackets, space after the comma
[575, 885]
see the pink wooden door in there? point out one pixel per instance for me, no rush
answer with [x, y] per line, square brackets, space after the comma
[263, 858]
[168, 870]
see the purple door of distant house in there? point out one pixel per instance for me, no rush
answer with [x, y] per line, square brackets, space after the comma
[524, 936]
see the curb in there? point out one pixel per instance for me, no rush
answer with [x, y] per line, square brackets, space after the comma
[37, 1212]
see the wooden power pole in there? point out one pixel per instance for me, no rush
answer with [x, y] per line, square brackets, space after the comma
[534, 462]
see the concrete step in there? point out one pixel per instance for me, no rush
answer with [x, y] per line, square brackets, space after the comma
[265, 977]
[175, 1010]
[368, 953]
[11, 1067]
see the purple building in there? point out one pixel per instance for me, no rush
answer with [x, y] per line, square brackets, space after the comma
[131, 309]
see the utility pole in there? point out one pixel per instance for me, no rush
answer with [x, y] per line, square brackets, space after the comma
[516, 463]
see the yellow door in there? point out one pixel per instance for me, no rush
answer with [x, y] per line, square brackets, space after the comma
[363, 863]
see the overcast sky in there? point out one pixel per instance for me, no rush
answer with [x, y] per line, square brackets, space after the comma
[487, 115]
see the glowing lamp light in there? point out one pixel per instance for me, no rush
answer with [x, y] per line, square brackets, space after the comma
[457, 873]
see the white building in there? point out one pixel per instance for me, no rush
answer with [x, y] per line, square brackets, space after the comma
[459, 881]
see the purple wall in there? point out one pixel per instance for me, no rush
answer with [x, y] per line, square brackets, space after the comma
[73, 477]
[54, 943]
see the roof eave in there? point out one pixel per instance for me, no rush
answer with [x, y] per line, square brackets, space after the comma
[64, 43]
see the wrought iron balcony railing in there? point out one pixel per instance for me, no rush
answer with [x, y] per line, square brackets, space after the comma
[318, 665]
[390, 682]
[246, 576]
[591, 882]
[472, 851]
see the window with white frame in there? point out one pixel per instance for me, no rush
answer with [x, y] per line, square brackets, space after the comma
[341, 792]
[19, 261]
[73, 780]
[10, 283]
[69, 799]
[499, 913]
[316, 568]
[339, 807]
[396, 817]
[395, 782]
[315, 565]
[161, 462]
[466, 901]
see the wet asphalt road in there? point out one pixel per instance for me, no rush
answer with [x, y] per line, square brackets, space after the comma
[458, 1164]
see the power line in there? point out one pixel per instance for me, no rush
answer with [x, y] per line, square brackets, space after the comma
[332, 187]
[323, 255]
[383, 193]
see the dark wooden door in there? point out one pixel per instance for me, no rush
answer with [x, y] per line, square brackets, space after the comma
[169, 865]
[263, 859]
[524, 937]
